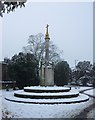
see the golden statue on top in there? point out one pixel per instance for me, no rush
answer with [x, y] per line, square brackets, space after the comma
[47, 34]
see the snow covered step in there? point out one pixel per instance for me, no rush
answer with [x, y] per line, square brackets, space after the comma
[39, 89]
[80, 98]
[23, 94]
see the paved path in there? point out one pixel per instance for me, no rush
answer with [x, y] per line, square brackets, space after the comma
[86, 111]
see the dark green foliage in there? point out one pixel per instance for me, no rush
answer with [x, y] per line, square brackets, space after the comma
[62, 73]
[94, 82]
[84, 68]
[83, 73]
[93, 69]
[23, 68]
[84, 80]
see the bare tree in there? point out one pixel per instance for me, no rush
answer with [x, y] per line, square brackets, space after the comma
[7, 6]
[36, 46]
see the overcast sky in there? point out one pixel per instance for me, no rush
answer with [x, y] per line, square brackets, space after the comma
[70, 28]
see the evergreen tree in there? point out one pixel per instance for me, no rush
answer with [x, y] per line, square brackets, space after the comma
[23, 68]
[62, 73]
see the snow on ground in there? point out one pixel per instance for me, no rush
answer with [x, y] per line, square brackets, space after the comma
[81, 97]
[90, 92]
[0, 105]
[91, 114]
[82, 88]
[46, 88]
[22, 110]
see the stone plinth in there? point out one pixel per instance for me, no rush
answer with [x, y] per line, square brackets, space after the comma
[47, 76]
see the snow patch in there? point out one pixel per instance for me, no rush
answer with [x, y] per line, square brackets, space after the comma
[47, 88]
[71, 92]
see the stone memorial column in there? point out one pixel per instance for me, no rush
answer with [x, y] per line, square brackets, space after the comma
[49, 72]
[46, 71]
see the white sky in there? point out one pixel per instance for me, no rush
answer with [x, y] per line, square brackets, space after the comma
[71, 28]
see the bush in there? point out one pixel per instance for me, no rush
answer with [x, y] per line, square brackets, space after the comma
[62, 73]
[23, 68]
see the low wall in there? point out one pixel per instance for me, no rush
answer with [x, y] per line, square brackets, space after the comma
[7, 84]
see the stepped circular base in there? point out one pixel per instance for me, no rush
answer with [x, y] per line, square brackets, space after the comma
[39, 95]
[23, 94]
[39, 89]
[80, 98]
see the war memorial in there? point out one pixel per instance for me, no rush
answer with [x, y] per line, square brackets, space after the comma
[47, 92]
